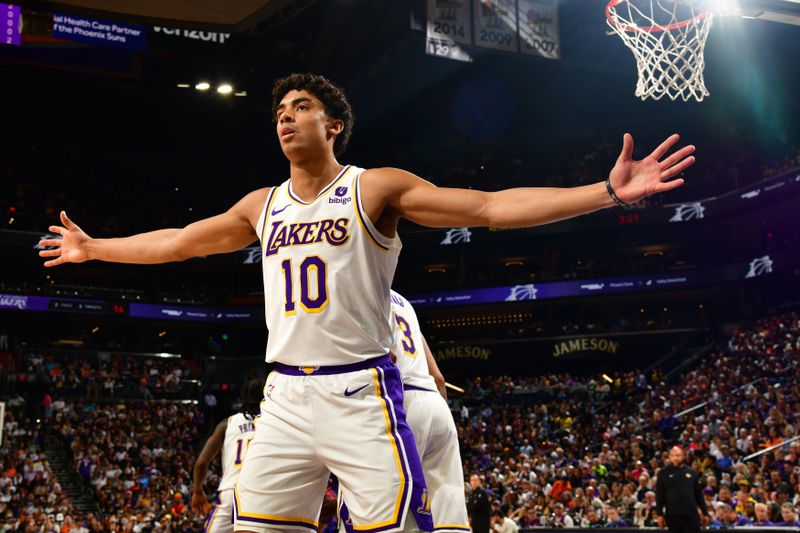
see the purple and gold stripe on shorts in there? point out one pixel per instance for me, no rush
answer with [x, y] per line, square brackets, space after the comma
[398, 449]
[291, 370]
[270, 519]
[210, 518]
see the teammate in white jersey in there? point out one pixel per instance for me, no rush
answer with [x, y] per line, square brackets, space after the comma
[330, 246]
[429, 416]
[232, 437]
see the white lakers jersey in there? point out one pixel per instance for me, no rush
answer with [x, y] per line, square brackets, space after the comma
[408, 347]
[238, 435]
[327, 276]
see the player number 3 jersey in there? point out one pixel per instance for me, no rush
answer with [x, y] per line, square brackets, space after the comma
[408, 345]
[327, 275]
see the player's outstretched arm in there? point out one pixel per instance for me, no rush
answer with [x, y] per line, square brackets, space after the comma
[210, 450]
[433, 369]
[418, 200]
[223, 233]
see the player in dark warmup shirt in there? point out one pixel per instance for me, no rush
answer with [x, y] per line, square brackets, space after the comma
[679, 495]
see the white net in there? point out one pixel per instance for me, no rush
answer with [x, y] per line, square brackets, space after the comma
[667, 39]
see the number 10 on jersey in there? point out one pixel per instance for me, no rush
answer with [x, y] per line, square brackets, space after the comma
[312, 276]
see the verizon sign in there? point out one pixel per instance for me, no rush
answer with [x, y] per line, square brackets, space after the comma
[205, 36]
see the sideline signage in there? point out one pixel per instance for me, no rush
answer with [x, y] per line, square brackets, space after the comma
[100, 32]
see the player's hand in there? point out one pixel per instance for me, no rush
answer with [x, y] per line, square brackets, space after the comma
[662, 523]
[635, 180]
[200, 505]
[70, 248]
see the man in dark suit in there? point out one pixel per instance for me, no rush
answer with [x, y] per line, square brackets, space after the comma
[478, 506]
[679, 496]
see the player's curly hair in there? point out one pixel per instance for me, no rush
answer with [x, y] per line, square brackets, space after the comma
[332, 97]
[251, 394]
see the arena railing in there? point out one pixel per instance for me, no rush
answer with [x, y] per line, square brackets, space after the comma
[781, 444]
[703, 404]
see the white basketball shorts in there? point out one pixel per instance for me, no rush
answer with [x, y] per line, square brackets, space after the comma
[347, 420]
[220, 519]
[436, 439]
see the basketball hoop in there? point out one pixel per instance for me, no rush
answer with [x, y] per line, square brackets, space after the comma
[667, 39]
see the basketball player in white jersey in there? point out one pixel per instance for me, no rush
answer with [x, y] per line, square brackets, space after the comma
[430, 419]
[330, 246]
[232, 436]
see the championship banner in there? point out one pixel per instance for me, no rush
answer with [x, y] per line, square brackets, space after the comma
[10, 22]
[538, 28]
[448, 27]
[495, 24]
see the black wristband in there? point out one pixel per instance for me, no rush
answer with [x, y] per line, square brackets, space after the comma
[614, 196]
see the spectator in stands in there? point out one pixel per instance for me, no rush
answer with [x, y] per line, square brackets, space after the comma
[789, 516]
[762, 516]
[613, 519]
[561, 518]
[729, 518]
[592, 520]
[502, 524]
[561, 485]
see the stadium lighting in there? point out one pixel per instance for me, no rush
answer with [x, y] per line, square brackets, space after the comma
[225, 88]
[724, 7]
[183, 85]
[203, 86]
[240, 93]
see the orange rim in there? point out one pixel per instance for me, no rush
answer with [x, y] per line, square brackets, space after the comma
[611, 15]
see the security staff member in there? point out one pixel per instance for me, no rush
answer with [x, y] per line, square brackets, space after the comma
[679, 496]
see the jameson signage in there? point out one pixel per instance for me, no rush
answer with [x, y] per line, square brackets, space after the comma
[463, 352]
[602, 352]
[585, 344]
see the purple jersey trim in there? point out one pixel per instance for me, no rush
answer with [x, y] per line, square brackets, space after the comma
[323, 191]
[414, 387]
[363, 217]
[266, 212]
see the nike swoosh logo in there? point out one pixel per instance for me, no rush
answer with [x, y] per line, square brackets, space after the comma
[348, 392]
[281, 210]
